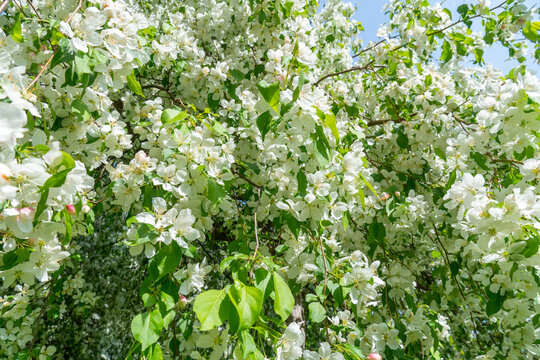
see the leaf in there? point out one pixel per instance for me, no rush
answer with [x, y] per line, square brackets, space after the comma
[134, 85]
[296, 93]
[493, 305]
[369, 186]
[322, 147]
[248, 301]
[82, 64]
[479, 159]
[302, 183]
[42, 204]
[440, 153]
[478, 55]
[270, 93]
[216, 192]
[172, 115]
[283, 298]
[354, 351]
[68, 221]
[146, 328]
[165, 261]
[80, 110]
[16, 30]
[402, 140]
[155, 353]
[207, 307]
[263, 123]
[55, 180]
[264, 282]
[446, 54]
[462, 9]
[317, 312]
[248, 344]
[330, 121]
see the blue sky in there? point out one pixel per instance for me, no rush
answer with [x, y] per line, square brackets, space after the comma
[369, 13]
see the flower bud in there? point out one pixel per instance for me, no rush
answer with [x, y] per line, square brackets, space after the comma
[385, 196]
[374, 356]
[397, 193]
[182, 301]
[71, 209]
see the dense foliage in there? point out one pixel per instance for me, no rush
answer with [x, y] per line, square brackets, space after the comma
[248, 179]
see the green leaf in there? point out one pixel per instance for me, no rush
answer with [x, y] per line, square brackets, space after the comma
[301, 82]
[146, 328]
[317, 312]
[82, 64]
[248, 302]
[446, 54]
[362, 197]
[56, 180]
[248, 344]
[354, 351]
[494, 303]
[263, 123]
[402, 140]
[478, 55]
[283, 297]
[216, 192]
[440, 153]
[270, 93]
[172, 115]
[264, 282]
[209, 308]
[165, 261]
[330, 121]
[16, 30]
[479, 159]
[369, 186]
[322, 147]
[80, 110]
[302, 183]
[155, 353]
[68, 221]
[134, 85]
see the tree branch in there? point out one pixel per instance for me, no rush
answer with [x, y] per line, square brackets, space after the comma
[4, 5]
[354, 68]
[46, 65]
[428, 34]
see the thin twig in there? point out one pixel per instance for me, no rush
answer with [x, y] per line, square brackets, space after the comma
[246, 179]
[38, 320]
[256, 226]
[168, 91]
[448, 261]
[354, 68]
[325, 279]
[34, 8]
[428, 34]
[4, 5]
[54, 52]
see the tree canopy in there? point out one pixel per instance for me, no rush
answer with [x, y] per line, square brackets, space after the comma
[249, 179]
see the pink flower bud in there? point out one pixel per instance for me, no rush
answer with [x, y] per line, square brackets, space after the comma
[71, 209]
[182, 301]
[374, 356]
[385, 196]
[397, 193]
